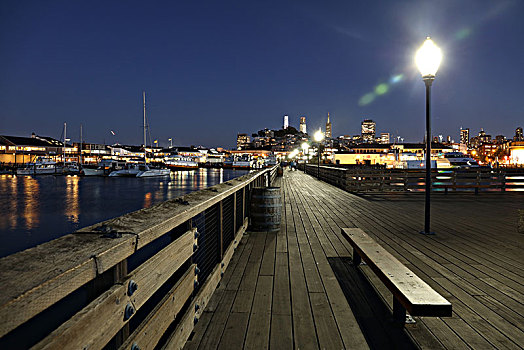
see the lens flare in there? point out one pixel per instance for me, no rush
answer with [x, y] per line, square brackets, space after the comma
[366, 99]
[381, 89]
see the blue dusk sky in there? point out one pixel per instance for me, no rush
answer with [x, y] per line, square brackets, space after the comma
[212, 69]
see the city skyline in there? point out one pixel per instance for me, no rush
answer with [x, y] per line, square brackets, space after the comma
[212, 71]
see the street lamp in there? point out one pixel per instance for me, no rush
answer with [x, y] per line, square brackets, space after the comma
[305, 147]
[428, 59]
[319, 136]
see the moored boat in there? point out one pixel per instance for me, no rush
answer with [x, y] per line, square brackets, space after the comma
[130, 170]
[180, 162]
[41, 166]
[147, 171]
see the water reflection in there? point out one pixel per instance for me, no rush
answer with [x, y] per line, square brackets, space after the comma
[147, 200]
[31, 200]
[72, 209]
[37, 209]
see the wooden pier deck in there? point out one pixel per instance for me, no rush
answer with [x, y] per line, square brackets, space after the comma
[296, 288]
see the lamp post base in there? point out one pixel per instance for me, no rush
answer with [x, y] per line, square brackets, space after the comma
[426, 233]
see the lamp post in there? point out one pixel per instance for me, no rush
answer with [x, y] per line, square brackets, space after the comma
[319, 136]
[305, 147]
[428, 59]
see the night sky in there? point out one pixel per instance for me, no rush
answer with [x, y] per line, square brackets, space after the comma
[212, 69]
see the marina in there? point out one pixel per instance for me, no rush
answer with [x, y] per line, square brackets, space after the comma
[37, 209]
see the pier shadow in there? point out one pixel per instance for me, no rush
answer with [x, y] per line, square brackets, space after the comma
[372, 315]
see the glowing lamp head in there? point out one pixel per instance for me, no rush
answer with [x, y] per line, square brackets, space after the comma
[319, 135]
[428, 58]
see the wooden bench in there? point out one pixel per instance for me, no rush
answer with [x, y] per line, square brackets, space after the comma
[409, 291]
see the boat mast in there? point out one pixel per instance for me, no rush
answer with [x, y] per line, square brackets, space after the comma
[65, 137]
[80, 158]
[145, 152]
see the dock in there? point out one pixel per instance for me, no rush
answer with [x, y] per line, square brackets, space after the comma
[297, 288]
[190, 273]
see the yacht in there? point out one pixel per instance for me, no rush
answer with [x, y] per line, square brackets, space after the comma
[103, 168]
[130, 170]
[147, 171]
[243, 162]
[460, 160]
[71, 168]
[180, 162]
[41, 166]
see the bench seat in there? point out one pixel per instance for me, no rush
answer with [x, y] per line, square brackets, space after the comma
[410, 292]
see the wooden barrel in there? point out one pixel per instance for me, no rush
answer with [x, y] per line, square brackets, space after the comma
[266, 209]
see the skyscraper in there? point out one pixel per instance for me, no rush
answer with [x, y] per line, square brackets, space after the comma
[328, 128]
[464, 136]
[286, 122]
[519, 136]
[303, 124]
[368, 128]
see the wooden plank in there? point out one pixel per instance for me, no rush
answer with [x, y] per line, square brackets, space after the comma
[234, 333]
[182, 332]
[303, 326]
[84, 330]
[327, 330]
[147, 335]
[267, 266]
[281, 292]
[281, 336]
[218, 321]
[257, 336]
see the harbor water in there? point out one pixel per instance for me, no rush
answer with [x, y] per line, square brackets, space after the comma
[34, 210]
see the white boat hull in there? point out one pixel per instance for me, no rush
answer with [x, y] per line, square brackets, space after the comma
[154, 173]
[37, 171]
[93, 172]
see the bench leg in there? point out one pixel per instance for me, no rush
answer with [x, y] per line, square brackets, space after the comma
[356, 258]
[399, 313]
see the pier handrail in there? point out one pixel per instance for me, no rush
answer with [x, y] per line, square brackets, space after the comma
[116, 270]
[364, 179]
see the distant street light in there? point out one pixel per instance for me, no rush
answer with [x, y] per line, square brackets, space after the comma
[305, 147]
[319, 136]
[428, 59]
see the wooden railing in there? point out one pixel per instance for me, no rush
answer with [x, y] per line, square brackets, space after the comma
[401, 180]
[139, 281]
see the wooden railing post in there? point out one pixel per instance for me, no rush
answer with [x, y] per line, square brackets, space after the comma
[477, 182]
[221, 223]
[235, 228]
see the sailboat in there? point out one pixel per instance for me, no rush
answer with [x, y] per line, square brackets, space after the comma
[139, 169]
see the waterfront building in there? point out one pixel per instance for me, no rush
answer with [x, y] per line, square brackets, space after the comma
[516, 153]
[286, 122]
[242, 141]
[303, 125]
[384, 137]
[464, 136]
[328, 128]
[368, 128]
[386, 154]
[18, 149]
